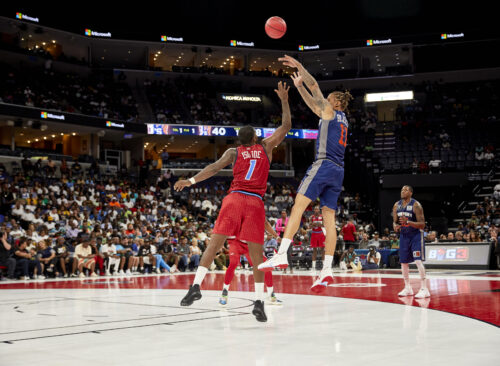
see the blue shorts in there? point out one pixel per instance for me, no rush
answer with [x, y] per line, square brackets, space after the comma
[323, 179]
[411, 247]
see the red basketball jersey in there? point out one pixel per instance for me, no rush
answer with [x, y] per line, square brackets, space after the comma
[251, 170]
[317, 229]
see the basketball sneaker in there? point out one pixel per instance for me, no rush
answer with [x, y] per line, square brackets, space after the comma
[277, 261]
[258, 311]
[406, 292]
[223, 298]
[193, 294]
[422, 293]
[273, 300]
[325, 278]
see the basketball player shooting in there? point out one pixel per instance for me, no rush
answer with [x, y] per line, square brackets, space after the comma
[324, 177]
[242, 214]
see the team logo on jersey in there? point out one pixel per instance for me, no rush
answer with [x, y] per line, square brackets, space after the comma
[409, 208]
[416, 253]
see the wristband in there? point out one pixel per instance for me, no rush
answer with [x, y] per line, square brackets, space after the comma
[192, 180]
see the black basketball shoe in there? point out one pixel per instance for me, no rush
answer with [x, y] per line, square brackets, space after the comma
[258, 311]
[193, 294]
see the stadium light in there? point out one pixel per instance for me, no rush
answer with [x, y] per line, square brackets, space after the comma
[385, 97]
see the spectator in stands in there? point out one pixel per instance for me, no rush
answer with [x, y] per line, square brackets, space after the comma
[146, 254]
[474, 237]
[393, 241]
[432, 237]
[364, 242]
[373, 259]
[85, 258]
[281, 223]
[270, 243]
[62, 257]
[27, 262]
[347, 260]
[414, 166]
[375, 241]
[435, 166]
[423, 168]
[221, 260]
[76, 169]
[6, 258]
[479, 153]
[184, 251]
[194, 254]
[111, 257]
[459, 236]
[47, 257]
[349, 231]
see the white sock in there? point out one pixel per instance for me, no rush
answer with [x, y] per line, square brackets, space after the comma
[259, 291]
[405, 269]
[285, 244]
[270, 290]
[327, 263]
[313, 264]
[225, 287]
[421, 271]
[200, 275]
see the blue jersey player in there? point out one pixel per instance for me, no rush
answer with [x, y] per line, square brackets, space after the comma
[324, 177]
[408, 216]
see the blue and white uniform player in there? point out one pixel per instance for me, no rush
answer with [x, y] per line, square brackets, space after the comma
[324, 177]
[408, 216]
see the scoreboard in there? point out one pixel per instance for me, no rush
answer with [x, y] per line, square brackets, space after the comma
[223, 131]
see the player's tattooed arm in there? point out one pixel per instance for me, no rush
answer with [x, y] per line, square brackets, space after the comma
[395, 223]
[419, 212]
[227, 158]
[314, 97]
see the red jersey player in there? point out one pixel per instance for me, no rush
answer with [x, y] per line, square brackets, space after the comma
[238, 248]
[242, 213]
[317, 236]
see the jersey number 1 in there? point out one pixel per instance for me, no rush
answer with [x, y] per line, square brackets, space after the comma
[343, 135]
[251, 169]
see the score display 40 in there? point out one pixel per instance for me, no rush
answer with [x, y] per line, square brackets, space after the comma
[220, 131]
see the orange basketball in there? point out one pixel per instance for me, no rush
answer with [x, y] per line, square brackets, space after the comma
[275, 27]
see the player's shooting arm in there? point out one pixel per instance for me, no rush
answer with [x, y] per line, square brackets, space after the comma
[279, 135]
[314, 97]
[419, 212]
[227, 158]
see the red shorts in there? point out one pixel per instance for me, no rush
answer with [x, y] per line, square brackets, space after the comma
[242, 217]
[238, 248]
[317, 240]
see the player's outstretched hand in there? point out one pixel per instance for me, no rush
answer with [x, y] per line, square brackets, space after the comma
[297, 79]
[282, 91]
[290, 61]
[181, 184]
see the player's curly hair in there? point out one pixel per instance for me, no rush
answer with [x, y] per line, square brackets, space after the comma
[344, 97]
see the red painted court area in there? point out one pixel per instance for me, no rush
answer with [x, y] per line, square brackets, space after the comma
[477, 297]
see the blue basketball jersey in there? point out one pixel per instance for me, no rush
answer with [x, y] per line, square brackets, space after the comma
[332, 138]
[409, 212]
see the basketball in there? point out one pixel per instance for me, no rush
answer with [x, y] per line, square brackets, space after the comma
[275, 27]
